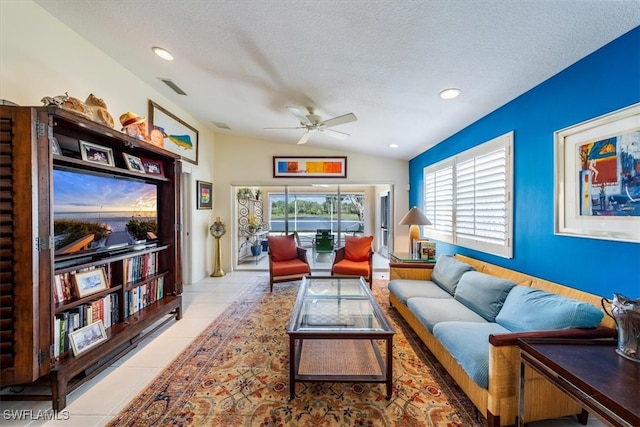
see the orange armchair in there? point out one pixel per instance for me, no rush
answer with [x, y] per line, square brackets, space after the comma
[286, 260]
[355, 258]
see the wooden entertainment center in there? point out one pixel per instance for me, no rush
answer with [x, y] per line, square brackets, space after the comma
[34, 348]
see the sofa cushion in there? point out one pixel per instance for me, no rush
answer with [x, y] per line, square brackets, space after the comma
[468, 344]
[405, 289]
[282, 248]
[483, 293]
[290, 267]
[431, 311]
[351, 268]
[357, 248]
[528, 309]
[448, 271]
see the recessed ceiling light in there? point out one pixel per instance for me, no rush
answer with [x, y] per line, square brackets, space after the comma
[393, 145]
[162, 53]
[450, 93]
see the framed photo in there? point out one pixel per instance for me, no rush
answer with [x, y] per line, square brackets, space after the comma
[309, 167]
[55, 147]
[597, 187]
[90, 282]
[152, 167]
[205, 195]
[87, 337]
[96, 153]
[133, 163]
[172, 134]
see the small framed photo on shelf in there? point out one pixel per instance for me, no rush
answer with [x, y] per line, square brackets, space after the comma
[205, 199]
[55, 147]
[87, 337]
[133, 163]
[90, 282]
[96, 153]
[152, 167]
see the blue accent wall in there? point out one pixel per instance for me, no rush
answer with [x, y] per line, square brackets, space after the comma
[602, 82]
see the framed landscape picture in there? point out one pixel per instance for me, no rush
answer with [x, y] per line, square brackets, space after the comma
[205, 193]
[90, 282]
[88, 337]
[172, 133]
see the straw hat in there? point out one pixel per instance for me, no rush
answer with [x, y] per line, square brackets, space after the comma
[130, 118]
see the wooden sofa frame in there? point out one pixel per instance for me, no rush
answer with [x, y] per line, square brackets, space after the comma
[499, 402]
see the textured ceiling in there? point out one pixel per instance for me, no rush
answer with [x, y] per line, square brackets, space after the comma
[241, 62]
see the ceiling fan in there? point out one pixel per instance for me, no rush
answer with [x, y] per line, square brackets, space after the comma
[312, 123]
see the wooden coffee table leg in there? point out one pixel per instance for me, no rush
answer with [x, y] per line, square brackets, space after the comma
[389, 366]
[292, 367]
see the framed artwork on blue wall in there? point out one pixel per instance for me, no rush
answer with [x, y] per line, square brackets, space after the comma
[597, 177]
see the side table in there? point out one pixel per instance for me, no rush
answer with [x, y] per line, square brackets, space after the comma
[403, 266]
[588, 371]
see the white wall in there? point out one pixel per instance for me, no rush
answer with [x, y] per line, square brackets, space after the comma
[40, 56]
[243, 161]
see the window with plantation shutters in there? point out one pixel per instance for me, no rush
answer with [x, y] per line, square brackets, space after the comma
[468, 198]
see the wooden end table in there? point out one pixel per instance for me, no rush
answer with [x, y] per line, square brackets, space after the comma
[403, 266]
[590, 372]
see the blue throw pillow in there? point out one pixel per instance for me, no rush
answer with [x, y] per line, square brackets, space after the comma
[530, 309]
[448, 271]
[483, 293]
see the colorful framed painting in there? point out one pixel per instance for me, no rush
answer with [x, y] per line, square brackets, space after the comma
[597, 171]
[205, 195]
[309, 167]
[172, 134]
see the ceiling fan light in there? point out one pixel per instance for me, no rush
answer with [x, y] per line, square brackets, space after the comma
[162, 53]
[450, 93]
[393, 145]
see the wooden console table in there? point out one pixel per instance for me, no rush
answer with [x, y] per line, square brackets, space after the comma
[588, 371]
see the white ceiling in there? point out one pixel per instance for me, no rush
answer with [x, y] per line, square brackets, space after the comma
[241, 62]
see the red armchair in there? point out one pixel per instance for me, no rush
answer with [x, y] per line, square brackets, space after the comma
[355, 258]
[286, 260]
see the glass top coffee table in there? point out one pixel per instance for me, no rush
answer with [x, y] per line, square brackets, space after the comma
[334, 331]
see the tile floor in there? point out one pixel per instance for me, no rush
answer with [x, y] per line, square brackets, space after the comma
[97, 401]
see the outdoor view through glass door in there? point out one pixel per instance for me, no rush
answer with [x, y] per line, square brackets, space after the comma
[307, 211]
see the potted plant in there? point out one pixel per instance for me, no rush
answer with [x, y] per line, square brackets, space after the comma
[244, 193]
[258, 193]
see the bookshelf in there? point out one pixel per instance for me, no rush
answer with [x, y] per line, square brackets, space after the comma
[130, 286]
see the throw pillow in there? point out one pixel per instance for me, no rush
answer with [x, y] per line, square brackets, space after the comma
[357, 248]
[530, 309]
[282, 248]
[448, 271]
[483, 293]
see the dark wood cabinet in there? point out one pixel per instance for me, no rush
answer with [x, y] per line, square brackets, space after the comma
[35, 142]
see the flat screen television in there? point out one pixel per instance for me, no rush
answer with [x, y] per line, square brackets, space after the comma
[91, 211]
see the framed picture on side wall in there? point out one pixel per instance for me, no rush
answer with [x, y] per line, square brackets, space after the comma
[205, 195]
[597, 188]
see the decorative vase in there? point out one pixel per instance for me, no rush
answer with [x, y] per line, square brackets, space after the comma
[256, 250]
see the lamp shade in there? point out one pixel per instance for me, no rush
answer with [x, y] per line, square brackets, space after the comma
[415, 217]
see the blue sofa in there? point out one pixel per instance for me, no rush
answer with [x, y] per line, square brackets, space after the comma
[470, 314]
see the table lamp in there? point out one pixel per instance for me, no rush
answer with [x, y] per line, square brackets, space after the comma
[414, 218]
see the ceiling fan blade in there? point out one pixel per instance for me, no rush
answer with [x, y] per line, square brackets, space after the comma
[304, 138]
[346, 118]
[336, 133]
[300, 114]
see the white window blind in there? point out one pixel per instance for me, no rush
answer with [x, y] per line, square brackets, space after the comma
[469, 196]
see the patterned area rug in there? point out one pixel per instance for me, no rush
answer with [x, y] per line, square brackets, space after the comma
[236, 373]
